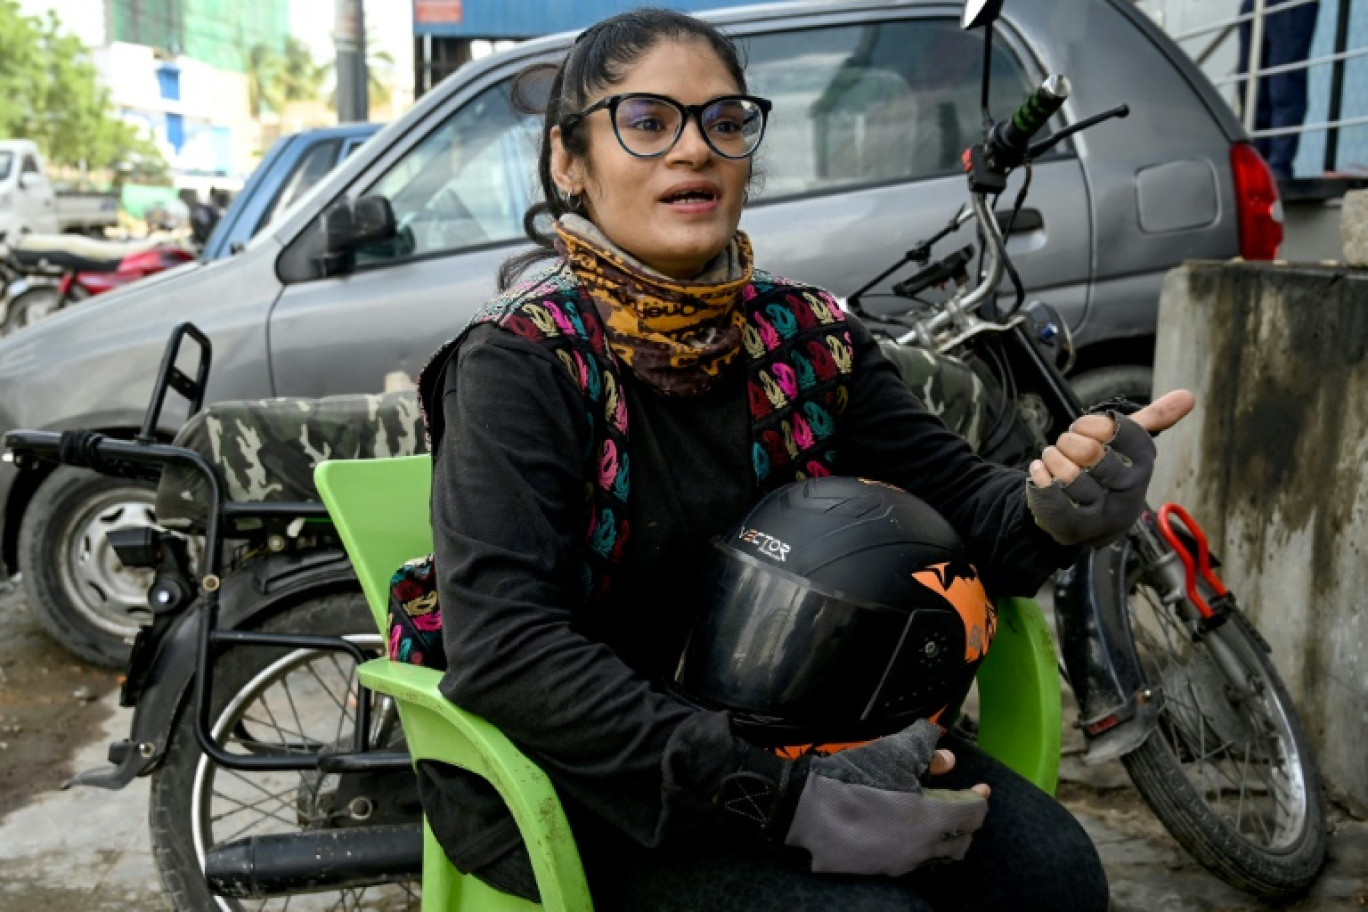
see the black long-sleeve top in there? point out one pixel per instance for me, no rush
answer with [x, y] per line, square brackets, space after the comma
[577, 690]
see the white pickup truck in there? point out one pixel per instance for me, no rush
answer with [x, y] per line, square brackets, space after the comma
[29, 203]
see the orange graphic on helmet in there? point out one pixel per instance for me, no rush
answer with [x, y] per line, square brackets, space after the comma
[958, 583]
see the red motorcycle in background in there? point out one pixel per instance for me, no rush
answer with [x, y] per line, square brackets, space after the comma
[56, 270]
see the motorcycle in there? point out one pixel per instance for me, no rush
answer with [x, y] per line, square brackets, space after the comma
[275, 774]
[58, 270]
[1170, 676]
[277, 780]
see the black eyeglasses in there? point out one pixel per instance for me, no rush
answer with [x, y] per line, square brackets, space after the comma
[648, 126]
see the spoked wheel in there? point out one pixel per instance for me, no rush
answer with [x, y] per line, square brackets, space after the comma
[274, 700]
[1228, 770]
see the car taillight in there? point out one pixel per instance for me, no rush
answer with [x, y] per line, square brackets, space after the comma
[1257, 204]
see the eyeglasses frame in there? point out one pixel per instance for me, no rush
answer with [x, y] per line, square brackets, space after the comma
[611, 103]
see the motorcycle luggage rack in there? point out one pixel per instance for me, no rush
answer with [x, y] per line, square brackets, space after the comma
[145, 458]
[169, 376]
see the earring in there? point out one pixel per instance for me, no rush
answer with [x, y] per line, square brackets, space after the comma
[570, 202]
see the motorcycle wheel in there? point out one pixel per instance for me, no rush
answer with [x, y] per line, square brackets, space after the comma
[30, 307]
[1228, 770]
[1133, 381]
[84, 597]
[273, 699]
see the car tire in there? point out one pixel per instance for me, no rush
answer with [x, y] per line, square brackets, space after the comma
[81, 594]
[1133, 381]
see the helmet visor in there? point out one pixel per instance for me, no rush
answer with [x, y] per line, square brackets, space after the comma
[790, 659]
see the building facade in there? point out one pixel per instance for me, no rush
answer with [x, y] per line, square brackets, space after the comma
[446, 32]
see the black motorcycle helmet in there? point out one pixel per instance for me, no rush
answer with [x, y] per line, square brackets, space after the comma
[838, 610]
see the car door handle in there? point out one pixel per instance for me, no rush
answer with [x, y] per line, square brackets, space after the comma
[1027, 220]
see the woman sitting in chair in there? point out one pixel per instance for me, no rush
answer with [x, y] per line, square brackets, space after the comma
[567, 592]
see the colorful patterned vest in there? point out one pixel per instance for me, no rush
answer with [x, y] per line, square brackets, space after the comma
[799, 361]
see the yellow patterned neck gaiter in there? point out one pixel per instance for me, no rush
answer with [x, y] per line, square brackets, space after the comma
[676, 335]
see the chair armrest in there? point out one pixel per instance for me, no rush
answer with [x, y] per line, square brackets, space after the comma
[439, 730]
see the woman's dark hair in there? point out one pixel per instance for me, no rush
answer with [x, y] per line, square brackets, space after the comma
[599, 58]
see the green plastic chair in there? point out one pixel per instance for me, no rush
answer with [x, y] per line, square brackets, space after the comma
[380, 510]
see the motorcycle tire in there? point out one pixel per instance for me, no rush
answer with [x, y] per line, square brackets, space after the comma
[30, 307]
[265, 698]
[1131, 381]
[83, 596]
[1232, 777]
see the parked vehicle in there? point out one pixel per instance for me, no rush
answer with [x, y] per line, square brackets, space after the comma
[262, 663]
[56, 270]
[30, 203]
[289, 169]
[1169, 675]
[870, 112]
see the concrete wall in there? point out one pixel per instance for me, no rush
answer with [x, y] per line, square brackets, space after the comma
[1274, 464]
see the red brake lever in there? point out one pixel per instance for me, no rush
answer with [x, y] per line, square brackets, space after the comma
[1192, 565]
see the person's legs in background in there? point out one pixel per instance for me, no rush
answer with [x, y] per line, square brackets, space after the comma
[1287, 39]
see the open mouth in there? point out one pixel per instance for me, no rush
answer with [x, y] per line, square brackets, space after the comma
[693, 196]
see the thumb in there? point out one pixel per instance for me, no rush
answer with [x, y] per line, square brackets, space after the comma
[1164, 412]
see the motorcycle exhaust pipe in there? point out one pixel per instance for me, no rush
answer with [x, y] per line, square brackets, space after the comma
[285, 863]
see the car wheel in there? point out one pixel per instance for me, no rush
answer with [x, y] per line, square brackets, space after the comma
[1133, 381]
[83, 596]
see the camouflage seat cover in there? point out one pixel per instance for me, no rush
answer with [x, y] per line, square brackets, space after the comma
[265, 450]
[946, 386]
[955, 392]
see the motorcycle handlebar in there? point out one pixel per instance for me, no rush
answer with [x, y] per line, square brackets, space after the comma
[1012, 138]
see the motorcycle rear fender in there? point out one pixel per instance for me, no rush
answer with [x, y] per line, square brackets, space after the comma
[248, 595]
[1116, 709]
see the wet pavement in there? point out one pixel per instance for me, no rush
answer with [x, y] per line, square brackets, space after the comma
[87, 849]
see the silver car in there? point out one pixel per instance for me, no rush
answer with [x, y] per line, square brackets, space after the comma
[873, 102]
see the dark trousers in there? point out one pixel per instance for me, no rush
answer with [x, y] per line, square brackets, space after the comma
[1031, 854]
[1282, 96]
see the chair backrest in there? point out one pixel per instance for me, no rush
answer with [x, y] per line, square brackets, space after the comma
[380, 509]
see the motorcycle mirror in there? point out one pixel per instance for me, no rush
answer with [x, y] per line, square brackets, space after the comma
[979, 13]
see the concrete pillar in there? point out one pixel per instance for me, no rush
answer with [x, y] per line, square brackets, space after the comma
[1274, 464]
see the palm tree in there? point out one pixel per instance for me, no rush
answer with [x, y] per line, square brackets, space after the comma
[379, 75]
[274, 79]
[301, 76]
[263, 68]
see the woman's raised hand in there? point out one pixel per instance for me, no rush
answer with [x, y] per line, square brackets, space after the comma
[1090, 486]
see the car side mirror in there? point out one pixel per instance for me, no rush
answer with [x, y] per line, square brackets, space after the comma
[351, 225]
[978, 13]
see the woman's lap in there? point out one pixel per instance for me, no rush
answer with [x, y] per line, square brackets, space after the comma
[1030, 854]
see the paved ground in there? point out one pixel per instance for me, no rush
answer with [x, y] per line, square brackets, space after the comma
[88, 849]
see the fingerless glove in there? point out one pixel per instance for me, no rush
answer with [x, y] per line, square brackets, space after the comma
[862, 810]
[1098, 506]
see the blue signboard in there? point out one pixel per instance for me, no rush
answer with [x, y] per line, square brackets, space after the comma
[496, 19]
